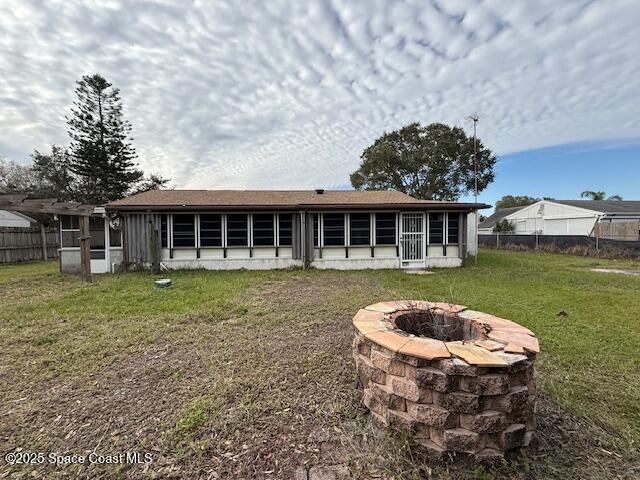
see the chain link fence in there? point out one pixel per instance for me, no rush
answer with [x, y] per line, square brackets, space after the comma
[570, 244]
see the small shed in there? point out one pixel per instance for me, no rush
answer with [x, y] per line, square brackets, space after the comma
[15, 219]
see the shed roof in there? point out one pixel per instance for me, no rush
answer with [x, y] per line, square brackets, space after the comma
[498, 215]
[278, 199]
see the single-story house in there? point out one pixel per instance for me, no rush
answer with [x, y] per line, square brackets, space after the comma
[570, 217]
[265, 229]
[15, 219]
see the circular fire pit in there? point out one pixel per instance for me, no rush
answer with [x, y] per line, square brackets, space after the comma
[460, 382]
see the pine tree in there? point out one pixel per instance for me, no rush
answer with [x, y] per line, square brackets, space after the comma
[102, 154]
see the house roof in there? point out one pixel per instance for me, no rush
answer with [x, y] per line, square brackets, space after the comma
[278, 199]
[497, 216]
[604, 206]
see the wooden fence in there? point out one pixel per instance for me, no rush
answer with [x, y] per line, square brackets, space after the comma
[617, 230]
[24, 244]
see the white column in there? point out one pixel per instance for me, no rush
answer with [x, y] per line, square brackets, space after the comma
[472, 234]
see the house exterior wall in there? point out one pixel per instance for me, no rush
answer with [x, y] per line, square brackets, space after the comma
[69, 259]
[10, 219]
[549, 218]
[254, 257]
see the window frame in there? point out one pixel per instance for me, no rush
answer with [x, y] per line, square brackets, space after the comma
[442, 232]
[395, 229]
[345, 229]
[113, 233]
[62, 229]
[274, 241]
[278, 229]
[317, 232]
[165, 220]
[222, 230]
[196, 228]
[456, 241]
[248, 230]
[368, 229]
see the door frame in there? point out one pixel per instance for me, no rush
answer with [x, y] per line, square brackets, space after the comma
[418, 263]
[103, 265]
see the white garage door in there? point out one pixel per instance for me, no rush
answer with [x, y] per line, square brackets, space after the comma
[556, 226]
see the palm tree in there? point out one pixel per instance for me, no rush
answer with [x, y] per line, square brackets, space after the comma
[599, 195]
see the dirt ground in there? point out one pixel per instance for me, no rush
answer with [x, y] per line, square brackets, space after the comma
[268, 392]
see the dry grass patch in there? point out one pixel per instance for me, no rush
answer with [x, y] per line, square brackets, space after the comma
[249, 375]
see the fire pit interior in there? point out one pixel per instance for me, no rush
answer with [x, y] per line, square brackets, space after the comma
[430, 324]
[460, 382]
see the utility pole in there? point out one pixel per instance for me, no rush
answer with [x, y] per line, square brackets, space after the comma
[474, 118]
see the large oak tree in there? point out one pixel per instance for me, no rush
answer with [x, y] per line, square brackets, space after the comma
[432, 162]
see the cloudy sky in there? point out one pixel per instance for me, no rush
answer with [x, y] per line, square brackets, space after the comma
[286, 94]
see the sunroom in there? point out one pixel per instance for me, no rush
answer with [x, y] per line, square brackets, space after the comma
[229, 229]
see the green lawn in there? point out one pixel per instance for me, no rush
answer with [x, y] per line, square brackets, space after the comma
[249, 374]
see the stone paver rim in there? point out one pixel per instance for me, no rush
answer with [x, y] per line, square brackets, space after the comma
[373, 321]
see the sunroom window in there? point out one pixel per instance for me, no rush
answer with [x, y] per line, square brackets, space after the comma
[164, 232]
[453, 228]
[316, 230]
[285, 221]
[263, 230]
[333, 229]
[385, 228]
[184, 232]
[237, 230]
[70, 231]
[436, 228]
[211, 230]
[359, 229]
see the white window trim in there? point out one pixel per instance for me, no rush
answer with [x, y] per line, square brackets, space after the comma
[222, 223]
[196, 228]
[277, 231]
[457, 242]
[372, 229]
[347, 238]
[63, 248]
[444, 225]
[224, 231]
[396, 227]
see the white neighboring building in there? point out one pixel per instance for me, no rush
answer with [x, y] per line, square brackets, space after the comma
[564, 217]
[487, 226]
[15, 219]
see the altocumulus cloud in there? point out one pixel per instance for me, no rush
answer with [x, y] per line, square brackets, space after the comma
[288, 93]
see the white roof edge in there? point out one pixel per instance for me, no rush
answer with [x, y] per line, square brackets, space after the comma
[539, 202]
[21, 215]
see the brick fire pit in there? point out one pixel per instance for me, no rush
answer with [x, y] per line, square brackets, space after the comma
[461, 382]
